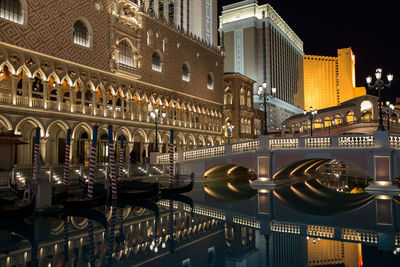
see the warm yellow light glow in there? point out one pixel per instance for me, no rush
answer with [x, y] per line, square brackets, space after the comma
[231, 187]
[386, 197]
[383, 183]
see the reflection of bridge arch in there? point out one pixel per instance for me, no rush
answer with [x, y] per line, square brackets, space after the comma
[307, 167]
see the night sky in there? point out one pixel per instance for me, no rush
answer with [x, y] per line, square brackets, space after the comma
[371, 30]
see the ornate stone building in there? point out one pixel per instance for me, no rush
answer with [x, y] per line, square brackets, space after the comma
[239, 109]
[75, 64]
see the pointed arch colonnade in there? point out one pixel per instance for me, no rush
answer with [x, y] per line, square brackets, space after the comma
[57, 97]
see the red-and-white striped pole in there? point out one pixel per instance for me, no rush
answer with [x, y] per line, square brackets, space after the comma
[171, 157]
[67, 151]
[121, 159]
[92, 162]
[36, 155]
[111, 156]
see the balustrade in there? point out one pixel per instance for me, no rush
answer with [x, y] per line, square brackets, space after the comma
[283, 227]
[204, 153]
[360, 236]
[394, 141]
[285, 143]
[318, 142]
[164, 159]
[320, 231]
[245, 146]
[356, 141]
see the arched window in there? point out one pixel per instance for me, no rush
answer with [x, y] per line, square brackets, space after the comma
[350, 118]
[11, 10]
[156, 62]
[210, 81]
[242, 97]
[249, 99]
[81, 34]
[327, 122]
[149, 38]
[185, 72]
[125, 54]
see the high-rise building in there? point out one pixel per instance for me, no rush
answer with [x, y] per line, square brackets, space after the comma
[198, 17]
[260, 44]
[329, 81]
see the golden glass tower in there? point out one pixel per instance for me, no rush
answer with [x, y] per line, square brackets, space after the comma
[329, 81]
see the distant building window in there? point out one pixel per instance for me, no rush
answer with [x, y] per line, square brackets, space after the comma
[149, 38]
[125, 54]
[81, 34]
[210, 81]
[11, 10]
[156, 62]
[185, 72]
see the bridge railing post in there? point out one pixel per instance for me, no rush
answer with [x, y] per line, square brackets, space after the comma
[228, 149]
[302, 142]
[381, 139]
[263, 142]
[334, 141]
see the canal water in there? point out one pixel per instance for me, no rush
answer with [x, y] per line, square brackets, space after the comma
[326, 220]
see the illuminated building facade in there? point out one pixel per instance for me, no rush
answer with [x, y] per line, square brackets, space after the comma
[76, 64]
[329, 81]
[259, 44]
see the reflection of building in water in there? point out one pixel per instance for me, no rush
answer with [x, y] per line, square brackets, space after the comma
[240, 243]
[287, 250]
[331, 252]
[133, 245]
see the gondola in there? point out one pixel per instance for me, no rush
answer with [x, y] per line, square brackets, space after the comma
[99, 199]
[124, 193]
[86, 212]
[177, 190]
[17, 211]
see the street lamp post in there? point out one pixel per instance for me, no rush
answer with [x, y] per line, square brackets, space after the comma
[311, 115]
[156, 116]
[265, 96]
[389, 110]
[379, 85]
[229, 129]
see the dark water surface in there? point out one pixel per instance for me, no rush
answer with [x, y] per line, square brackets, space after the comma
[320, 222]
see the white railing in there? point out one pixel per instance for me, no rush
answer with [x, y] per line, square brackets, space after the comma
[318, 142]
[37, 102]
[283, 227]
[356, 141]
[320, 231]
[246, 221]
[5, 98]
[22, 101]
[360, 236]
[245, 146]
[394, 141]
[285, 143]
[204, 153]
[164, 159]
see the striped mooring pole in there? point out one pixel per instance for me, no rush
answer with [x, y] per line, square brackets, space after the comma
[91, 244]
[36, 155]
[111, 156]
[121, 159]
[171, 158]
[111, 234]
[67, 152]
[92, 162]
[66, 237]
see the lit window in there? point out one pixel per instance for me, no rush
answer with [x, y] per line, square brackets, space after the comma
[210, 81]
[156, 62]
[81, 34]
[11, 10]
[125, 54]
[185, 72]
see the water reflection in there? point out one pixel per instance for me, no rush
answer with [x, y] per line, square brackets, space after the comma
[229, 183]
[194, 230]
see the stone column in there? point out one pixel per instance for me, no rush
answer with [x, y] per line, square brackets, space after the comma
[131, 108]
[83, 100]
[45, 94]
[146, 148]
[94, 104]
[30, 84]
[123, 107]
[105, 105]
[14, 89]
[72, 98]
[114, 114]
[59, 97]
[43, 145]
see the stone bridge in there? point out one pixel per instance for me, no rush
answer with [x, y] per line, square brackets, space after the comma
[378, 155]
